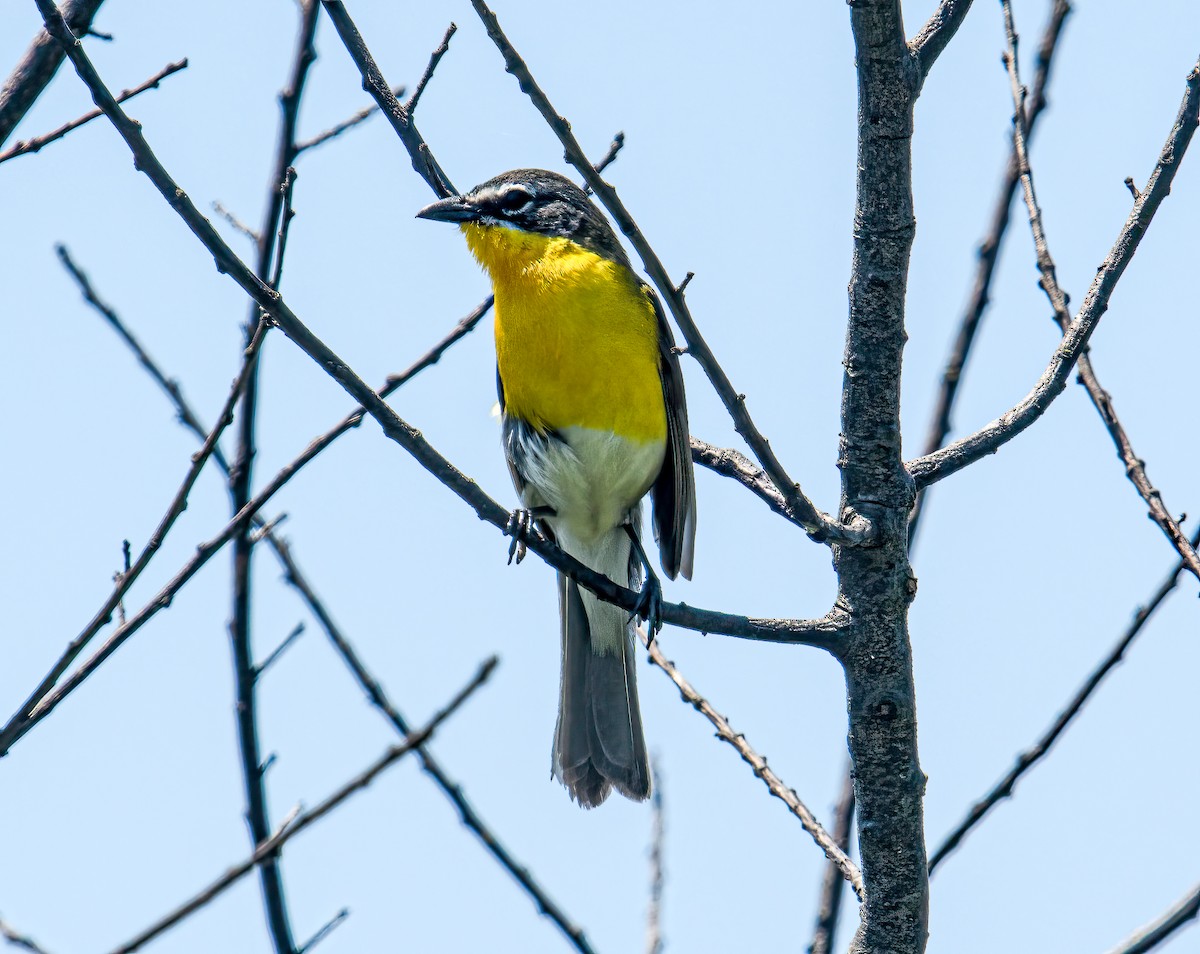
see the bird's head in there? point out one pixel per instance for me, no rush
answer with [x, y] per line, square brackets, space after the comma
[532, 201]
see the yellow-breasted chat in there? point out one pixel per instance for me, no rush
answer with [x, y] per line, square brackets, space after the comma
[594, 417]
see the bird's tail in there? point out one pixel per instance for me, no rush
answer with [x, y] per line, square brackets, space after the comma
[598, 742]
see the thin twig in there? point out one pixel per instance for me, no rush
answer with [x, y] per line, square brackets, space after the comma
[465, 326]
[434, 58]
[337, 129]
[1184, 911]
[988, 254]
[857, 530]
[287, 187]
[169, 385]
[614, 149]
[235, 222]
[270, 847]
[1035, 753]
[324, 931]
[274, 655]
[16, 725]
[931, 468]
[829, 907]
[450, 788]
[1135, 468]
[775, 786]
[24, 146]
[373, 82]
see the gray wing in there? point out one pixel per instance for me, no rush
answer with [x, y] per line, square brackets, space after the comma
[674, 491]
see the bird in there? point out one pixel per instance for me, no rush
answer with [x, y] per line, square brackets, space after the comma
[593, 417]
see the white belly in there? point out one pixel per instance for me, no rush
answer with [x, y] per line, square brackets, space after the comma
[592, 481]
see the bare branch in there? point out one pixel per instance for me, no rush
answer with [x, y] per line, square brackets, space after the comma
[272, 236]
[38, 66]
[169, 385]
[989, 253]
[1135, 468]
[614, 149]
[829, 907]
[1049, 279]
[324, 931]
[775, 785]
[434, 58]
[856, 530]
[1035, 753]
[431, 357]
[936, 34]
[270, 847]
[934, 467]
[287, 187]
[274, 655]
[236, 222]
[35, 144]
[1186, 910]
[17, 724]
[373, 82]
[349, 123]
[730, 463]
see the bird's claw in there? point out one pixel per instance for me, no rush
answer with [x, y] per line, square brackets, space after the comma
[519, 526]
[649, 606]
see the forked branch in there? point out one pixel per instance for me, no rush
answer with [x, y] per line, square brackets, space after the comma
[942, 463]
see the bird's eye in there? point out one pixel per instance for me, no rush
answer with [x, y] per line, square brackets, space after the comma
[515, 199]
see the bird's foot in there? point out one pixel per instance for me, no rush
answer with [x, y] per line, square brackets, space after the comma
[521, 528]
[649, 604]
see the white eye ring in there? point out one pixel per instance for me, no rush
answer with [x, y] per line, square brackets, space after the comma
[515, 199]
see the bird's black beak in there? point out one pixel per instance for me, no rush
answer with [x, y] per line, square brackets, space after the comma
[455, 208]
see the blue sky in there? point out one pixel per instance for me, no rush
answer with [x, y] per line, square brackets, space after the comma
[739, 166]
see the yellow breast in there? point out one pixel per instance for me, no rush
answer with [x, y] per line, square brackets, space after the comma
[576, 335]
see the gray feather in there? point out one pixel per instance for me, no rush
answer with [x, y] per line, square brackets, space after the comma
[598, 742]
